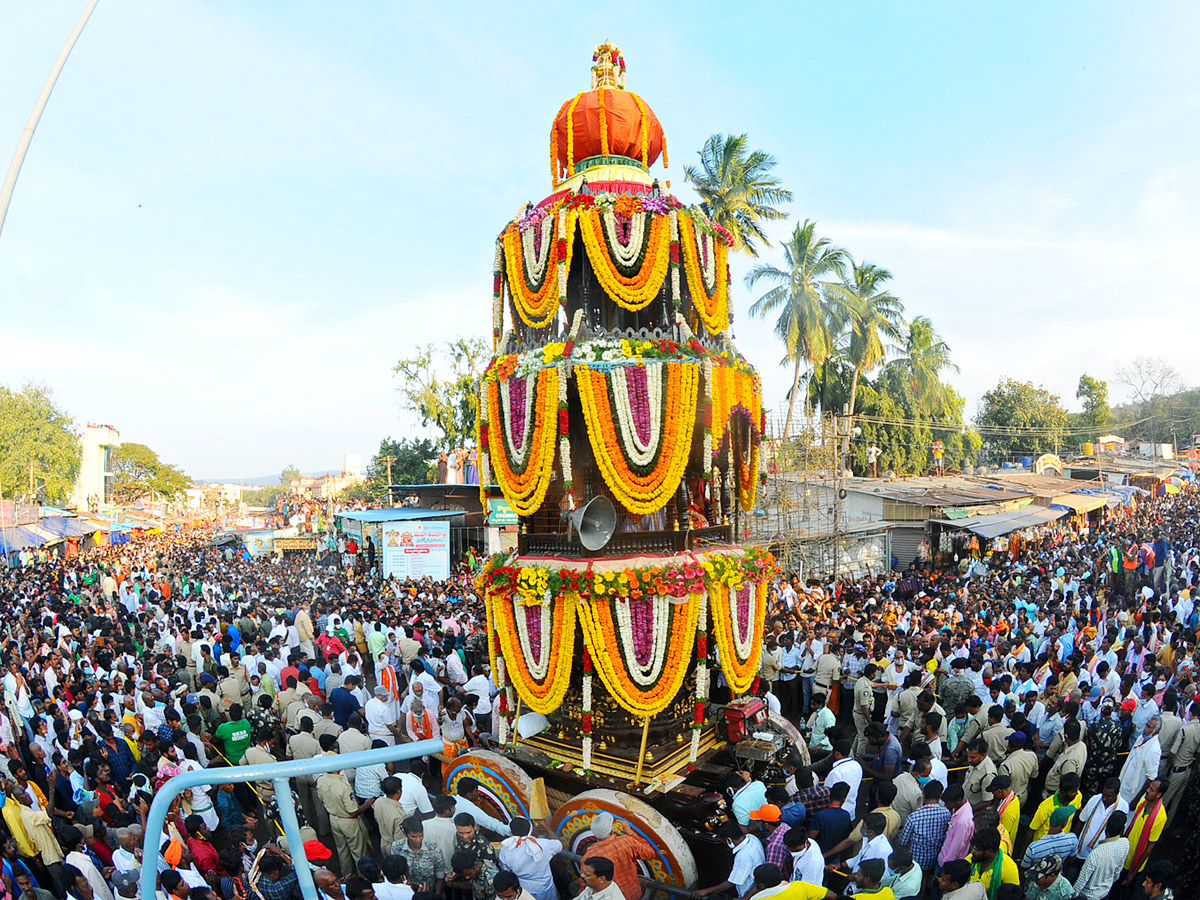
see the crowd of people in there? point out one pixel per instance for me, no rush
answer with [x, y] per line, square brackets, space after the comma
[1026, 729]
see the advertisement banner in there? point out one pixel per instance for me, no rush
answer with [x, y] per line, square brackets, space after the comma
[500, 513]
[416, 550]
[352, 527]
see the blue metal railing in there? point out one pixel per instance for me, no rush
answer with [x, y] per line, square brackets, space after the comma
[278, 774]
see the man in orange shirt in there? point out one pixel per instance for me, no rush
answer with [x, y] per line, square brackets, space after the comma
[624, 850]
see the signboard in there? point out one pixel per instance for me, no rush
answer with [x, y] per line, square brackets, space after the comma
[416, 550]
[352, 526]
[260, 543]
[500, 513]
[296, 543]
[13, 514]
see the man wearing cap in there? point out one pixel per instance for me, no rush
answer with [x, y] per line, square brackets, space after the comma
[1047, 882]
[624, 849]
[1020, 765]
[1142, 763]
[1057, 841]
[381, 723]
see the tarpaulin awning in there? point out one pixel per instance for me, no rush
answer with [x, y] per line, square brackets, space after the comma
[23, 537]
[1078, 502]
[66, 527]
[1114, 494]
[1005, 522]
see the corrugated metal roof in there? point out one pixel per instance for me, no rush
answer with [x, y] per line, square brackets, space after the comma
[951, 490]
[396, 514]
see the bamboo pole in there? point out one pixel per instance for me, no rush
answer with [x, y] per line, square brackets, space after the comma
[637, 780]
[516, 724]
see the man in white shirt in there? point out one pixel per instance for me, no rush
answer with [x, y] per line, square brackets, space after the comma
[1141, 766]
[876, 845]
[1096, 813]
[848, 770]
[480, 685]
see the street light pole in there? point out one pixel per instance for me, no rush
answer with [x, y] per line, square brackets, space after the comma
[389, 460]
[14, 168]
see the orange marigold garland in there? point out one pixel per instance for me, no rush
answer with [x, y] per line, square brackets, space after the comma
[637, 291]
[641, 494]
[745, 456]
[555, 170]
[556, 645]
[707, 284]
[537, 303]
[644, 131]
[524, 486]
[733, 389]
[571, 135]
[739, 643]
[611, 649]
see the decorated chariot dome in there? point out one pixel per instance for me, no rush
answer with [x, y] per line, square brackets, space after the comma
[622, 425]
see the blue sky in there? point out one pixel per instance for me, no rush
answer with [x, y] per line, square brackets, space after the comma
[234, 218]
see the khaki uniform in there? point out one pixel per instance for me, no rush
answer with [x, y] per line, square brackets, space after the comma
[388, 816]
[864, 697]
[349, 834]
[1022, 767]
[305, 746]
[997, 741]
[975, 784]
[1072, 758]
[1187, 745]
[908, 714]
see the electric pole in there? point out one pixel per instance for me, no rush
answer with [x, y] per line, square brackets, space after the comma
[389, 460]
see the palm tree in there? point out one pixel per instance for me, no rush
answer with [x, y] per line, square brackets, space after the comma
[874, 316]
[923, 358]
[737, 189]
[812, 267]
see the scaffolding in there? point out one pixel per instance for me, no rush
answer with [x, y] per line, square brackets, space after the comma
[800, 511]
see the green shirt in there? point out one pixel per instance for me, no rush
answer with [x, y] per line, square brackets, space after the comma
[236, 736]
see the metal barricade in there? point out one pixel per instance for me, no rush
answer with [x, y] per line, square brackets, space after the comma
[278, 774]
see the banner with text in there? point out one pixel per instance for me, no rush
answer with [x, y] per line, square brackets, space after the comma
[416, 550]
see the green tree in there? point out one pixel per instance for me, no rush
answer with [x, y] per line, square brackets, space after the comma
[139, 474]
[1019, 418]
[874, 318]
[812, 266]
[265, 495]
[737, 189]
[414, 461]
[923, 358]
[289, 474]
[446, 401]
[35, 430]
[1097, 414]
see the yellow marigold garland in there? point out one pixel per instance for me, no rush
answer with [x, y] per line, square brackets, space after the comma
[645, 131]
[603, 125]
[599, 632]
[545, 696]
[641, 494]
[554, 167]
[731, 388]
[713, 311]
[638, 292]
[739, 673]
[747, 470]
[537, 309]
[571, 135]
[525, 491]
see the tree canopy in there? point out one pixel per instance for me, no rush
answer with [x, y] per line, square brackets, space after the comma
[440, 387]
[289, 474]
[1096, 415]
[35, 430]
[139, 474]
[413, 462]
[1019, 418]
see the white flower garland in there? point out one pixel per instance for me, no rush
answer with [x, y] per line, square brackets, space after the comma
[625, 254]
[485, 468]
[742, 639]
[539, 666]
[518, 453]
[587, 709]
[639, 454]
[501, 718]
[701, 679]
[648, 674]
[564, 440]
[535, 262]
[706, 458]
[498, 295]
[562, 261]
[675, 299]
[706, 258]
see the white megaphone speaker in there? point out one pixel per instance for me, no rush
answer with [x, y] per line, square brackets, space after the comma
[595, 521]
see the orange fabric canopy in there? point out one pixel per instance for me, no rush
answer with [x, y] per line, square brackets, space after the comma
[623, 121]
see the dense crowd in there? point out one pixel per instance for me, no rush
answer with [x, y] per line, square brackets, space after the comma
[1024, 728]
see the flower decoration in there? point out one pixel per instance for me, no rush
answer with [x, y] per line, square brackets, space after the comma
[522, 424]
[707, 275]
[631, 273]
[738, 617]
[642, 440]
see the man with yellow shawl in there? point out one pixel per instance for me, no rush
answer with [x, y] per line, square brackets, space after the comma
[990, 865]
[1145, 828]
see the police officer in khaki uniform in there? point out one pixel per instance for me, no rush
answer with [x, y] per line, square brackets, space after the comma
[349, 830]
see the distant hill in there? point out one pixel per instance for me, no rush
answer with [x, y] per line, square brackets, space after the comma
[262, 480]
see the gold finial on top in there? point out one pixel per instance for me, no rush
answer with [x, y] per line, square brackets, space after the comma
[608, 67]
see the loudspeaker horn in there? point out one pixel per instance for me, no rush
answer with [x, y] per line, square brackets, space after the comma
[595, 521]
